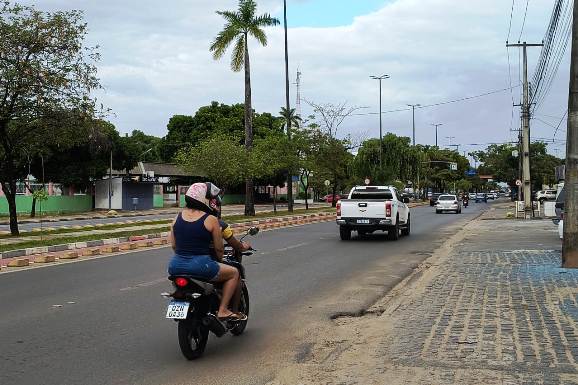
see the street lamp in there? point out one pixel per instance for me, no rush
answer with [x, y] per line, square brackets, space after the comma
[380, 78]
[413, 106]
[436, 126]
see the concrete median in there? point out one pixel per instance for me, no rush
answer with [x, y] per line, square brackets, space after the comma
[48, 254]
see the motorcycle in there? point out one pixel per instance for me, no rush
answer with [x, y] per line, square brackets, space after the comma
[194, 305]
[466, 202]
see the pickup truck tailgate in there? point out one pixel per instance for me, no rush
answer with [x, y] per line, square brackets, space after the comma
[356, 208]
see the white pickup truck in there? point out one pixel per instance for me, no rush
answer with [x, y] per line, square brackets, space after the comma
[372, 208]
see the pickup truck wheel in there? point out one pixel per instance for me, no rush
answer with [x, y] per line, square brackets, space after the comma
[407, 228]
[344, 233]
[393, 231]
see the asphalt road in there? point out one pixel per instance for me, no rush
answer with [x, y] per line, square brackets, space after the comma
[101, 321]
[227, 210]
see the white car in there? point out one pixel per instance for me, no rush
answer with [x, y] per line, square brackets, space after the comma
[448, 202]
[374, 208]
[545, 195]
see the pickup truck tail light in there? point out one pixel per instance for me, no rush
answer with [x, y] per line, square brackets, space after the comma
[388, 209]
[338, 208]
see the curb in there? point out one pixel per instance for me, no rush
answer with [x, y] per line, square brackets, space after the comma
[48, 254]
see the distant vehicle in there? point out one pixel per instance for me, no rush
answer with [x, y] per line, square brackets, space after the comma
[373, 208]
[481, 197]
[434, 198]
[448, 202]
[329, 197]
[472, 195]
[546, 195]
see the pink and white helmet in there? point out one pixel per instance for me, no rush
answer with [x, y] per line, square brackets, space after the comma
[198, 192]
[203, 193]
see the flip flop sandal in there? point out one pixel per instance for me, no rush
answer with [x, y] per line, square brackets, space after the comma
[234, 317]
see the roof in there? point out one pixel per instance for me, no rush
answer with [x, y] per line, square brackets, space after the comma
[157, 170]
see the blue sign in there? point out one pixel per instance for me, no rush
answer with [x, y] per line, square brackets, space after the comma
[471, 172]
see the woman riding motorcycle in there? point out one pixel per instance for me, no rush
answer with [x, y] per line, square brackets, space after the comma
[192, 232]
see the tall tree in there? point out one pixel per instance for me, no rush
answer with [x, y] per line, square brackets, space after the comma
[239, 25]
[291, 117]
[47, 75]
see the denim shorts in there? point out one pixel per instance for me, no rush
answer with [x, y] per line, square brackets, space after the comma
[201, 266]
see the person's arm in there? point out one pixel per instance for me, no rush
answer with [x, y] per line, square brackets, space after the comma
[212, 224]
[238, 245]
[172, 236]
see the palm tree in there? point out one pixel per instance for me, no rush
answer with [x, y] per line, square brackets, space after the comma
[291, 117]
[239, 25]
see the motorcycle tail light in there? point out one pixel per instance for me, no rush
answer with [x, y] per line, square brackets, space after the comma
[181, 282]
[388, 209]
[338, 206]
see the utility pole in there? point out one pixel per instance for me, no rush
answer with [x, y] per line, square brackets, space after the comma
[413, 106]
[527, 183]
[436, 126]
[380, 78]
[288, 123]
[570, 231]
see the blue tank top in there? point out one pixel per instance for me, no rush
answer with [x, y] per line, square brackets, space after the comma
[191, 238]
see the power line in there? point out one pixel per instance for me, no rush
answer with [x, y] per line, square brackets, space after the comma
[558, 126]
[440, 103]
[524, 21]
[511, 14]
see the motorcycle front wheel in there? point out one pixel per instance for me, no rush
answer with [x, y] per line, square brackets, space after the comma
[243, 308]
[193, 337]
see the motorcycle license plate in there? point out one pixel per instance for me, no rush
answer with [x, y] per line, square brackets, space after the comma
[363, 221]
[177, 310]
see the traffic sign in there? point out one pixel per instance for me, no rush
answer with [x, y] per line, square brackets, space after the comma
[327, 182]
[518, 182]
[453, 166]
[367, 181]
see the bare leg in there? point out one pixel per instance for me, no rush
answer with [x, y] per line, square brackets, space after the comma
[230, 278]
[236, 300]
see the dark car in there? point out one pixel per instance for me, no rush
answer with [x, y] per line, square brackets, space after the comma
[433, 200]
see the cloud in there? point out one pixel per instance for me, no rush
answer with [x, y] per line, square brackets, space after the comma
[156, 63]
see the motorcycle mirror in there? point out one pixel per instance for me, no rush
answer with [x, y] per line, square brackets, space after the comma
[253, 231]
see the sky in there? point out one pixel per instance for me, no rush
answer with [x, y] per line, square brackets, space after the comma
[156, 63]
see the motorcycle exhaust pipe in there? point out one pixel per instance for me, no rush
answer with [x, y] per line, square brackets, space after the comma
[214, 325]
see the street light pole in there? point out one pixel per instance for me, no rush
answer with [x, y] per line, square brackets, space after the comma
[413, 106]
[436, 126]
[380, 78]
[288, 117]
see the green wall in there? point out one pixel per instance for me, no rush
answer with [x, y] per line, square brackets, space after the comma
[158, 201]
[228, 199]
[54, 204]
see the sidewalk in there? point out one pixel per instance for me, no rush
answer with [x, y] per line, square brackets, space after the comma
[492, 306]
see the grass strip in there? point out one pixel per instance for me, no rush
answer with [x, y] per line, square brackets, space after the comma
[120, 234]
[91, 228]
[81, 238]
[230, 219]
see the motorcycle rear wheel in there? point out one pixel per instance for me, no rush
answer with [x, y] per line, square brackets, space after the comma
[193, 337]
[243, 308]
